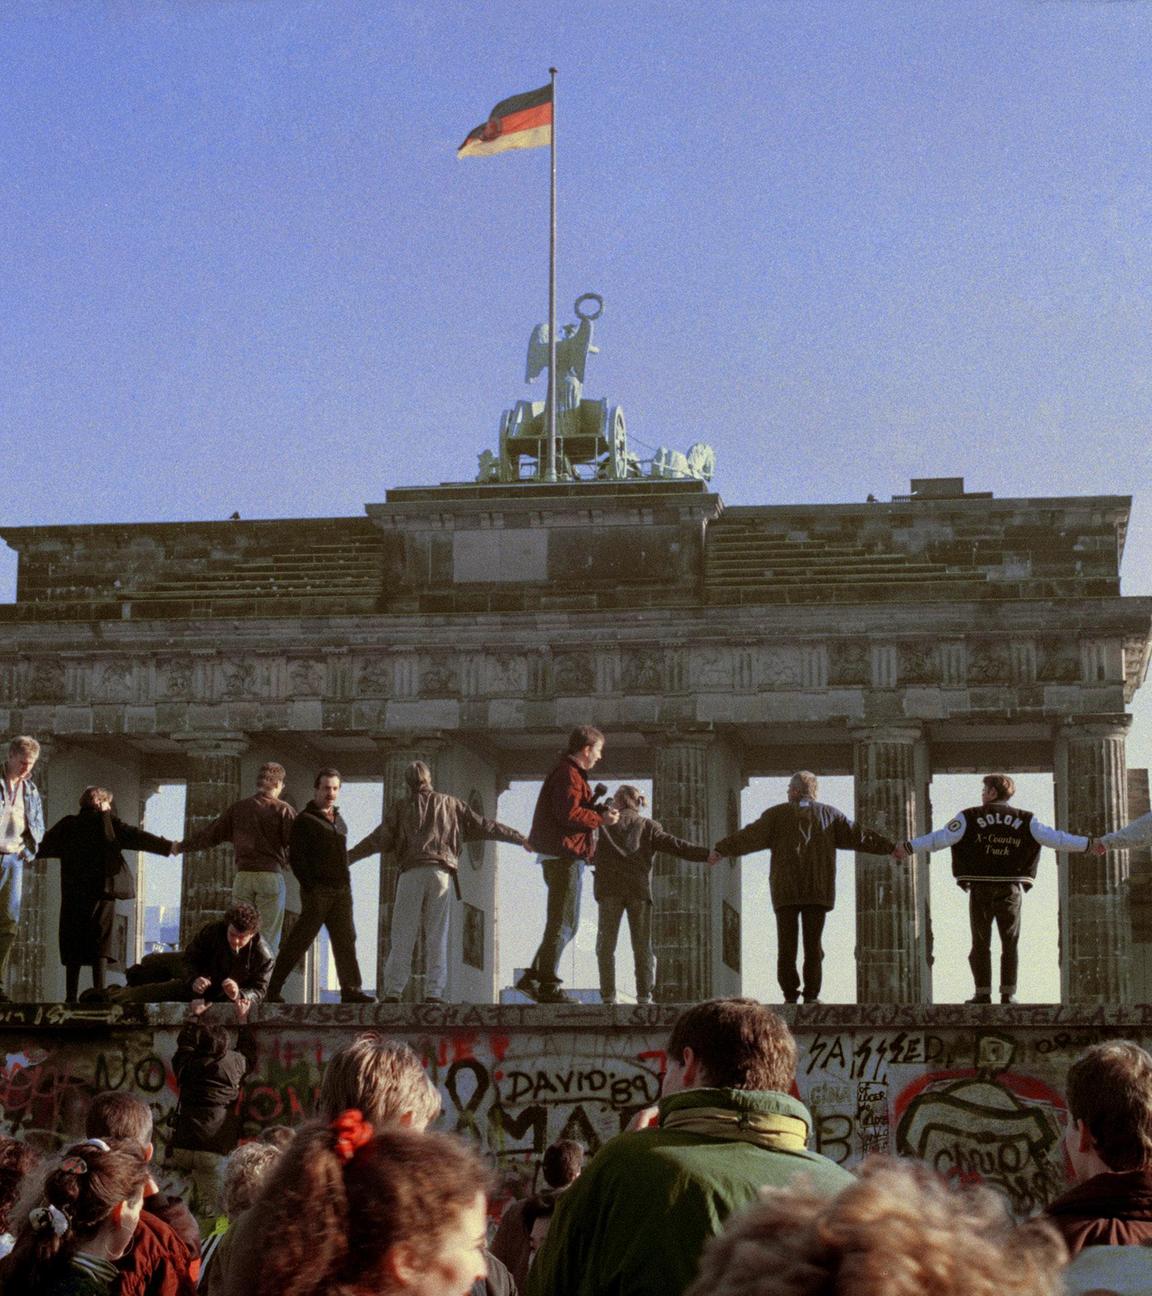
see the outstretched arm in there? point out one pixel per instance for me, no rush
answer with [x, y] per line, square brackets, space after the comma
[1058, 840]
[851, 836]
[378, 842]
[1137, 833]
[949, 835]
[755, 836]
[659, 840]
[216, 832]
[132, 838]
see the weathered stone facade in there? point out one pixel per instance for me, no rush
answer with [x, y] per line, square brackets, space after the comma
[475, 625]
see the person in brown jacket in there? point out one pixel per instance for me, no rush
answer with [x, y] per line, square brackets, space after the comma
[258, 827]
[1109, 1143]
[425, 831]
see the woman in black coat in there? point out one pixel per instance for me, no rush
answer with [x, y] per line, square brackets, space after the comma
[93, 876]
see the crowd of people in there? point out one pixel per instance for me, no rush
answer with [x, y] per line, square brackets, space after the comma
[246, 958]
[714, 1191]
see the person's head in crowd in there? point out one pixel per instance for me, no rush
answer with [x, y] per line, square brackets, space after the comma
[418, 778]
[382, 1078]
[394, 1213]
[278, 1135]
[628, 797]
[270, 778]
[243, 921]
[899, 1230]
[245, 1171]
[96, 798]
[803, 786]
[207, 1039]
[997, 787]
[1109, 1094]
[538, 1214]
[116, 1114]
[87, 1210]
[23, 753]
[562, 1162]
[730, 1044]
[17, 1159]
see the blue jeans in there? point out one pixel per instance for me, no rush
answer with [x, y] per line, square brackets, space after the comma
[11, 889]
[564, 879]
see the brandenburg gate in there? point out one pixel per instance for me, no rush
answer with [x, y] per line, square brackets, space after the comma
[473, 625]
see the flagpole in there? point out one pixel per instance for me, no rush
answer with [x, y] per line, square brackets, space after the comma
[550, 473]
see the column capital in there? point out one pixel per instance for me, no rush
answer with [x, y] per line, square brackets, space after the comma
[1087, 728]
[212, 744]
[910, 731]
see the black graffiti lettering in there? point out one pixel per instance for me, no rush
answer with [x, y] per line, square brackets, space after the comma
[151, 1074]
[503, 1126]
[834, 1137]
[467, 1111]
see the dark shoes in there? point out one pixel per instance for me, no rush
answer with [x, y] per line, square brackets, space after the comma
[274, 998]
[528, 985]
[356, 996]
[1007, 998]
[980, 999]
[433, 999]
[390, 999]
[553, 995]
[811, 999]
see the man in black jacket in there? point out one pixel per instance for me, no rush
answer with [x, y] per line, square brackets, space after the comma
[226, 960]
[318, 854]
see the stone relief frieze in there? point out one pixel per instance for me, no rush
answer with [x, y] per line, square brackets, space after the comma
[779, 667]
[439, 678]
[175, 677]
[239, 679]
[305, 679]
[918, 663]
[989, 663]
[506, 674]
[114, 682]
[573, 674]
[43, 682]
[710, 669]
[643, 670]
[374, 678]
[1058, 660]
[849, 662]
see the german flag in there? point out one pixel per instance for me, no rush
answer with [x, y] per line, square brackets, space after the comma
[524, 121]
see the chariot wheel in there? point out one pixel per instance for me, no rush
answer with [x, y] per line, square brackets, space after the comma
[616, 439]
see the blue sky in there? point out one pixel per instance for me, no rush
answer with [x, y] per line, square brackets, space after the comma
[847, 244]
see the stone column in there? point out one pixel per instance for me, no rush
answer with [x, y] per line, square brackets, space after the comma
[888, 921]
[399, 753]
[1092, 799]
[213, 784]
[681, 889]
[34, 942]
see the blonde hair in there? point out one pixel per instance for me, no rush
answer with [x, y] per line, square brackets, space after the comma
[899, 1230]
[24, 744]
[382, 1078]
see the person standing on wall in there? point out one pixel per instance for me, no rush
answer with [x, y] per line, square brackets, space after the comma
[258, 828]
[93, 876]
[318, 855]
[425, 831]
[803, 835]
[564, 828]
[995, 847]
[623, 885]
[21, 828]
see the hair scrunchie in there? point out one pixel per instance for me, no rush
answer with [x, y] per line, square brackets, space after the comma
[48, 1219]
[352, 1131]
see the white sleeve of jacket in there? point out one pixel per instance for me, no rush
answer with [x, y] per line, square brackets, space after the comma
[949, 835]
[1058, 840]
[1137, 833]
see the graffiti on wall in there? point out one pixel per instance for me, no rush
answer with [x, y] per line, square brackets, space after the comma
[979, 1104]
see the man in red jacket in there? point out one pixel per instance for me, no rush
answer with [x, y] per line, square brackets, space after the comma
[564, 833]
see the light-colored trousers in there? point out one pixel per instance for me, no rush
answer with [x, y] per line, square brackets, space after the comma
[426, 890]
[267, 892]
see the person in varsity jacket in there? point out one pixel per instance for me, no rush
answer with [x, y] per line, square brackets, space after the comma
[995, 848]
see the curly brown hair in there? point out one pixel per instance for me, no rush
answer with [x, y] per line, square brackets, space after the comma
[335, 1219]
[900, 1230]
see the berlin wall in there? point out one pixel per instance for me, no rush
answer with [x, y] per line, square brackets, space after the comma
[977, 1093]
